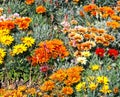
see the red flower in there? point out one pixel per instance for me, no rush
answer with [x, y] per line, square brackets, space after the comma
[113, 52]
[44, 68]
[100, 52]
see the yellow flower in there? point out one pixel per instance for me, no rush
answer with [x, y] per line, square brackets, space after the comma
[86, 53]
[22, 88]
[2, 53]
[31, 91]
[95, 67]
[102, 79]
[80, 86]
[90, 78]
[93, 86]
[6, 40]
[105, 89]
[28, 41]
[19, 49]
[4, 32]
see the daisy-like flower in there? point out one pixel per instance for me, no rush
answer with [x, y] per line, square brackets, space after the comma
[4, 31]
[67, 90]
[28, 41]
[105, 89]
[81, 60]
[80, 86]
[86, 53]
[100, 52]
[40, 9]
[6, 40]
[29, 2]
[95, 67]
[102, 79]
[18, 49]
[93, 86]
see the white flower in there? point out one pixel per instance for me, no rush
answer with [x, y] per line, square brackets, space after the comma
[81, 60]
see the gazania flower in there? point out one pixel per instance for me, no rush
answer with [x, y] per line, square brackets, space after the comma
[23, 25]
[44, 68]
[81, 60]
[93, 86]
[59, 75]
[4, 32]
[113, 24]
[99, 39]
[115, 90]
[40, 9]
[86, 53]
[102, 79]
[105, 89]
[6, 40]
[67, 90]
[28, 41]
[29, 2]
[80, 86]
[47, 86]
[10, 24]
[31, 91]
[95, 67]
[100, 52]
[113, 52]
[19, 49]
[90, 7]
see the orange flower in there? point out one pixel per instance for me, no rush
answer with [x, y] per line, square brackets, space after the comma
[60, 75]
[90, 7]
[18, 21]
[106, 43]
[23, 25]
[84, 46]
[10, 24]
[29, 2]
[108, 37]
[113, 24]
[116, 90]
[67, 90]
[99, 39]
[115, 17]
[101, 31]
[47, 86]
[31, 91]
[73, 78]
[87, 36]
[81, 13]
[40, 9]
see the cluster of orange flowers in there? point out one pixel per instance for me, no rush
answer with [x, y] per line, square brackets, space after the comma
[104, 11]
[21, 22]
[86, 38]
[68, 77]
[47, 50]
[7, 24]
[21, 91]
